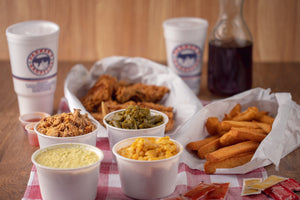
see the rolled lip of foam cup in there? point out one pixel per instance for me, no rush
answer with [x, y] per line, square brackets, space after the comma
[185, 28]
[32, 30]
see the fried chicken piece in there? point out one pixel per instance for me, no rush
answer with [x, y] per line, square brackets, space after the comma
[108, 94]
[102, 90]
[107, 107]
[155, 106]
[169, 125]
[111, 106]
[166, 110]
[99, 117]
[140, 92]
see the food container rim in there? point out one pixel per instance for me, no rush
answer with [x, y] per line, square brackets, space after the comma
[17, 31]
[166, 120]
[31, 125]
[72, 137]
[25, 117]
[185, 24]
[179, 146]
[98, 151]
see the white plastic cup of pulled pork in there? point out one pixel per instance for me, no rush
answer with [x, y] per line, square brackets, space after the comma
[142, 179]
[116, 134]
[67, 178]
[89, 138]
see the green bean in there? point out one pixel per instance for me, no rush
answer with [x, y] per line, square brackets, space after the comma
[134, 117]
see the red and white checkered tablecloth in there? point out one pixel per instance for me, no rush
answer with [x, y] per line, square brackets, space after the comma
[109, 185]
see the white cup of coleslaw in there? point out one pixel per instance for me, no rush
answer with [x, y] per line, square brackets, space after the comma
[68, 183]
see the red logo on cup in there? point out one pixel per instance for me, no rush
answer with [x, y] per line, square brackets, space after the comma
[40, 61]
[186, 57]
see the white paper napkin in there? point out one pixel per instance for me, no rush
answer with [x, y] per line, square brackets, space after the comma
[185, 103]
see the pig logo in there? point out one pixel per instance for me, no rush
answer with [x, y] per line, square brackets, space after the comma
[186, 57]
[40, 61]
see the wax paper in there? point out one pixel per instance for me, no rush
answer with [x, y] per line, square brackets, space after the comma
[190, 115]
[185, 103]
[283, 139]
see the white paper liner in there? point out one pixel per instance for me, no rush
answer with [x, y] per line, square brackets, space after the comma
[190, 115]
[184, 101]
[283, 139]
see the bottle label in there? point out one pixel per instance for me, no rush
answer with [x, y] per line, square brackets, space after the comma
[187, 59]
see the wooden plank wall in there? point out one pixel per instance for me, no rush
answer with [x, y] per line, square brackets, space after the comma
[94, 29]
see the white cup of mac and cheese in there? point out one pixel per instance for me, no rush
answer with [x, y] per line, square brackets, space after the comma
[147, 179]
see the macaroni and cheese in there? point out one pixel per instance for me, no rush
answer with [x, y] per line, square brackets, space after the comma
[150, 149]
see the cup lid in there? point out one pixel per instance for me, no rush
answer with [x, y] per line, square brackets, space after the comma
[32, 30]
[185, 23]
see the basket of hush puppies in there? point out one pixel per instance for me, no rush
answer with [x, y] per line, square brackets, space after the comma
[241, 133]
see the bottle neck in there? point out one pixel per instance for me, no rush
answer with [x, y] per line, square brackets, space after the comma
[231, 25]
[230, 9]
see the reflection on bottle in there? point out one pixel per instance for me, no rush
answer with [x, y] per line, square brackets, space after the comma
[230, 51]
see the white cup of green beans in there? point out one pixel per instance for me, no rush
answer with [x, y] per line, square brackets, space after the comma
[134, 122]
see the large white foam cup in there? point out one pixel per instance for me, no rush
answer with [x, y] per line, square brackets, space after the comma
[33, 48]
[185, 40]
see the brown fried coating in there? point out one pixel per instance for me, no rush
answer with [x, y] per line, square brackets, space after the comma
[155, 106]
[108, 94]
[140, 92]
[102, 90]
[166, 110]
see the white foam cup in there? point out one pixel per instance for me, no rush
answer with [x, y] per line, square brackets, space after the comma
[33, 47]
[116, 134]
[69, 183]
[185, 40]
[141, 179]
[89, 138]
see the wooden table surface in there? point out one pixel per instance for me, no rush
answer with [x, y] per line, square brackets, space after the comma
[15, 151]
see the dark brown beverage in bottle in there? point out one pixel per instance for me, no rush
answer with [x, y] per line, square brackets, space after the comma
[229, 67]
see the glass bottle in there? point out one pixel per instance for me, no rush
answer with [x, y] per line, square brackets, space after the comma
[230, 51]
